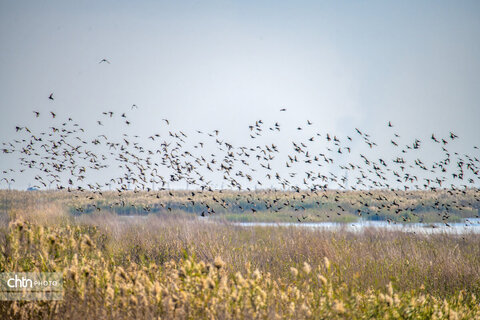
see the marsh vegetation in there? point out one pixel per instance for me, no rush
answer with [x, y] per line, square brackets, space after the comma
[173, 266]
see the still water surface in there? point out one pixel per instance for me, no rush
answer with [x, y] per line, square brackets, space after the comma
[471, 225]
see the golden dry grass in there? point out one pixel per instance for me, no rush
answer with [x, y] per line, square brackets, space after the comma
[175, 268]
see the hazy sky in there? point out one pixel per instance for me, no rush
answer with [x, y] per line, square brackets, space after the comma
[224, 64]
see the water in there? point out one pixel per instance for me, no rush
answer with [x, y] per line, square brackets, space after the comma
[471, 225]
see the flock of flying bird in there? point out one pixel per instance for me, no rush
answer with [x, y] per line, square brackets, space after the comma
[67, 157]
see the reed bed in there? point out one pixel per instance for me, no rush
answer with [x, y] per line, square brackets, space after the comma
[173, 267]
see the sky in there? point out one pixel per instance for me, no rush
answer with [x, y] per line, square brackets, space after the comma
[225, 64]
